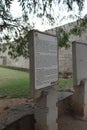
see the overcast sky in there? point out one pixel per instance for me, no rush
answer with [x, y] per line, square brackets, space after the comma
[16, 12]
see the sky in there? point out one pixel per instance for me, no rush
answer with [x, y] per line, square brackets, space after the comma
[16, 11]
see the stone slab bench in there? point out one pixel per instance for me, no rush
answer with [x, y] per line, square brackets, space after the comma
[62, 95]
[19, 117]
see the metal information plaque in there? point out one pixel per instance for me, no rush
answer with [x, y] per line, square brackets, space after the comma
[43, 59]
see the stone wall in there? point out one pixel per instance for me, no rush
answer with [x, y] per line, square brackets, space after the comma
[19, 62]
[65, 60]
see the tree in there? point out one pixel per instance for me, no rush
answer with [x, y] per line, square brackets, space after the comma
[15, 31]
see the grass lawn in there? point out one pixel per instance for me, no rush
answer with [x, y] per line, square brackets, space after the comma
[65, 84]
[15, 84]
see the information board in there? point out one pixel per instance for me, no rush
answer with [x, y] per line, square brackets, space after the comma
[44, 59]
[79, 62]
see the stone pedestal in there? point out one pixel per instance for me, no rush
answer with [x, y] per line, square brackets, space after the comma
[79, 100]
[46, 110]
[85, 98]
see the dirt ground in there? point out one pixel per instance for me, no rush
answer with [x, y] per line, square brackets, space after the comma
[7, 104]
[68, 122]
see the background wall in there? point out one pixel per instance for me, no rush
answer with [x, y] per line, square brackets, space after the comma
[65, 55]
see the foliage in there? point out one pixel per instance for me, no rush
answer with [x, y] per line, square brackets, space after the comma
[79, 27]
[63, 38]
[15, 31]
[65, 84]
[64, 32]
[20, 45]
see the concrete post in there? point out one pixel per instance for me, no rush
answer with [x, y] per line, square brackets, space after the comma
[46, 110]
[79, 100]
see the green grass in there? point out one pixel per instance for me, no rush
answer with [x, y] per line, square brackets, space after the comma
[65, 84]
[14, 83]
